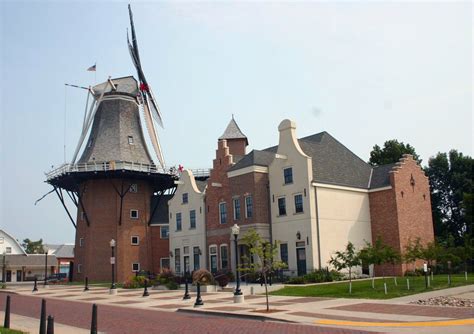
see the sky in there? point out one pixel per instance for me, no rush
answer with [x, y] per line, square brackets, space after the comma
[365, 72]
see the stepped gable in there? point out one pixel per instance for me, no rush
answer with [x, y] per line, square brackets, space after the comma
[233, 132]
[381, 176]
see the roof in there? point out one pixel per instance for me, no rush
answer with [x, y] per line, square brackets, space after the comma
[161, 215]
[64, 251]
[125, 85]
[333, 163]
[233, 132]
[201, 185]
[13, 240]
[31, 260]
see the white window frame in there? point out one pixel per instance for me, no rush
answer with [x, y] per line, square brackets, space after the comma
[246, 209]
[190, 221]
[213, 246]
[235, 200]
[131, 215]
[131, 140]
[161, 235]
[292, 175]
[278, 206]
[135, 243]
[220, 213]
[133, 264]
[302, 203]
[180, 215]
[220, 255]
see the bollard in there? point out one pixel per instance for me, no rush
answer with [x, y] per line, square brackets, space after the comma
[385, 287]
[408, 284]
[86, 286]
[42, 329]
[50, 329]
[449, 279]
[429, 284]
[395, 280]
[6, 323]
[373, 282]
[198, 296]
[186, 291]
[94, 319]
[35, 287]
[145, 291]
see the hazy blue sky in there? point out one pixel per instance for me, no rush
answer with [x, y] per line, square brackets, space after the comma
[363, 71]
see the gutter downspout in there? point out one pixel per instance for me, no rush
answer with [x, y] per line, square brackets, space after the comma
[317, 226]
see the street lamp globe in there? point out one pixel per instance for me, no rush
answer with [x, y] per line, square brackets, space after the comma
[45, 249]
[235, 230]
[112, 243]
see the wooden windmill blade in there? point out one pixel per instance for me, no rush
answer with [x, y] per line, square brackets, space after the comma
[152, 132]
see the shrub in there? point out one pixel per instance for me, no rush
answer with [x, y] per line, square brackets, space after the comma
[223, 277]
[297, 280]
[172, 285]
[203, 277]
[416, 272]
[130, 284]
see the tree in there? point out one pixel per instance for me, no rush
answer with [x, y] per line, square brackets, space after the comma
[391, 152]
[413, 252]
[450, 178]
[33, 247]
[372, 254]
[346, 260]
[263, 254]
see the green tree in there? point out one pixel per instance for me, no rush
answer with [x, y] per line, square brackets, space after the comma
[372, 254]
[391, 152]
[450, 178]
[413, 252]
[263, 254]
[346, 259]
[33, 247]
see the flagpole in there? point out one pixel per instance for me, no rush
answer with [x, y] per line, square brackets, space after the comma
[95, 74]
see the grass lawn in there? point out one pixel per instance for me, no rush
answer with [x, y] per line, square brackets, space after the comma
[363, 288]
[9, 331]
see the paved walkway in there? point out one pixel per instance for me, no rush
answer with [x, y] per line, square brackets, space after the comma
[393, 315]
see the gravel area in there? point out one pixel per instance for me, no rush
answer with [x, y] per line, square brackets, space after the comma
[446, 301]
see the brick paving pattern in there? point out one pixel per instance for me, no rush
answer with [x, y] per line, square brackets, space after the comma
[336, 317]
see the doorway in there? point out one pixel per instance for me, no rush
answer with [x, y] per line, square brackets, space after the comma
[301, 261]
[9, 275]
[18, 275]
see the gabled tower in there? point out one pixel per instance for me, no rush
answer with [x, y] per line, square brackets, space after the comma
[236, 140]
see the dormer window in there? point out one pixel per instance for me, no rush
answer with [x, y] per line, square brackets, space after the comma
[130, 140]
[288, 175]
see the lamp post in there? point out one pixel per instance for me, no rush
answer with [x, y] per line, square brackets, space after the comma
[45, 248]
[113, 288]
[238, 296]
[4, 267]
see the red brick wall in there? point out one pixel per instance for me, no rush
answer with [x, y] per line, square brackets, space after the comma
[160, 248]
[237, 146]
[402, 213]
[102, 205]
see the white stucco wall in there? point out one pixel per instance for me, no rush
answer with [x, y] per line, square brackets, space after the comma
[7, 241]
[187, 237]
[285, 228]
[344, 216]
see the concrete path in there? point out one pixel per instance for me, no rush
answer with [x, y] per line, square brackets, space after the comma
[394, 315]
[31, 325]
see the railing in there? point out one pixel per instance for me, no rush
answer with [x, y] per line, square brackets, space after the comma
[117, 165]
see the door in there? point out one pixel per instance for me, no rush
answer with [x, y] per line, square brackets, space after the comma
[18, 275]
[9, 275]
[301, 261]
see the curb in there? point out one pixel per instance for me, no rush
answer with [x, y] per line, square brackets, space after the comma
[234, 315]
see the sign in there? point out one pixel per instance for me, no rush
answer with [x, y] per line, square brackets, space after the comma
[425, 267]
[112, 260]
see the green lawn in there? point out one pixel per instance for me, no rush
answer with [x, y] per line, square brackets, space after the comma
[9, 331]
[363, 288]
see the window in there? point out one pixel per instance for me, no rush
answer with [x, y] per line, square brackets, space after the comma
[213, 258]
[83, 216]
[164, 232]
[224, 257]
[185, 198]
[196, 254]
[186, 250]
[192, 219]
[237, 209]
[135, 240]
[177, 260]
[178, 221]
[186, 264]
[8, 250]
[135, 267]
[134, 214]
[282, 206]
[223, 213]
[133, 188]
[79, 268]
[165, 263]
[130, 140]
[81, 242]
[298, 203]
[284, 253]
[288, 175]
[248, 207]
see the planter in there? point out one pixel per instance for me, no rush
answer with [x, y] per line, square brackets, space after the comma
[205, 288]
[159, 287]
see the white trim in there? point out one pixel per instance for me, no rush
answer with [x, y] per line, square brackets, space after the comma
[133, 270]
[246, 170]
[330, 186]
[81, 242]
[216, 255]
[135, 243]
[281, 156]
[220, 255]
[178, 182]
[131, 217]
[215, 184]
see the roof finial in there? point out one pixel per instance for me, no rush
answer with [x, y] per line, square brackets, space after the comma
[232, 116]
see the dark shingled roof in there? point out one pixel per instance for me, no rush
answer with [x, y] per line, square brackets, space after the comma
[381, 176]
[161, 215]
[333, 163]
[233, 132]
[201, 185]
[64, 251]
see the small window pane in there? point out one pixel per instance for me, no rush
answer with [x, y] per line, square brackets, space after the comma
[192, 219]
[248, 207]
[224, 257]
[177, 260]
[223, 213]
[135, 240]
[164, 232]
[185, 198]
[134, 214]
[284, 253]
[178, 222]
[281, 206]
[135, 267]
[298, 203]
[236, 209]
[288, 175]
[130, 140]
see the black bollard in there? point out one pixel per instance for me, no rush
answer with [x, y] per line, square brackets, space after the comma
[94, 319]
[6, 323]
[86, 287]
[186, 291]
[35, 287]
[198, 296]
[42, 329]
[145, 291]
[50, 329]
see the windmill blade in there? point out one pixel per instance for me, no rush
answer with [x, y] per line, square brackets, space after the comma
[152, 133]
[134, 37]
[154, 107]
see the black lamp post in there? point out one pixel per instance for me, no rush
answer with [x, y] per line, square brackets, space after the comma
[112, 262]
[45, 266]
[235, 232]
[4, 267]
